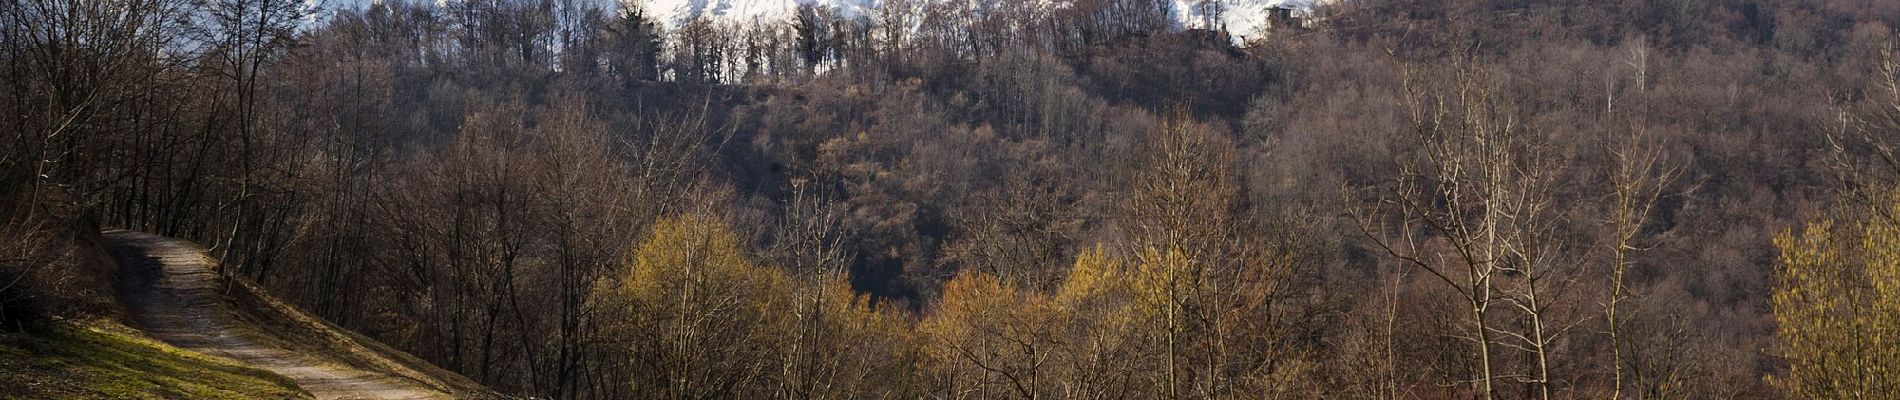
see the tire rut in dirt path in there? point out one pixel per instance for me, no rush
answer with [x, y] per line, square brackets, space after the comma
[173, 294]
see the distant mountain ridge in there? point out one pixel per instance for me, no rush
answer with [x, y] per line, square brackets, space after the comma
[1242, 18]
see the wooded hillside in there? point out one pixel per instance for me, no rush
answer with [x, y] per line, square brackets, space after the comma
[971, 199]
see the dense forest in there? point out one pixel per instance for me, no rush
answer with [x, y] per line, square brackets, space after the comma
[994, 199]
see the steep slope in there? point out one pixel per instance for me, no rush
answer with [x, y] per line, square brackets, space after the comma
[173, 292]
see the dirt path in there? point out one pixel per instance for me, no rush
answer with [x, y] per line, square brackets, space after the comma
[173, 295]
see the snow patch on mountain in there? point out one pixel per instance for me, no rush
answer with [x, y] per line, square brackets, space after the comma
[674, 13]
[1243, 19]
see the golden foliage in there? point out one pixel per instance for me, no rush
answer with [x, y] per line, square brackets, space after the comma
[687, 254]
[1837, 306]
[978, 307]
[695, 309]
[987, 336]
[702, 319]
[1093, 275]
[1163, 280]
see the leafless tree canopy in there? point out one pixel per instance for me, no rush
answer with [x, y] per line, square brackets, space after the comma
[980, 199]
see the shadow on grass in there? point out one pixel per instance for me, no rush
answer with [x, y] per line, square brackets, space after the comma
[98, 359]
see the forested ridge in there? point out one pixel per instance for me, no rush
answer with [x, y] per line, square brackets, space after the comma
[997, 199]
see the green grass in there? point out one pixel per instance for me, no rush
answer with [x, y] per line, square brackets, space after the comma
[105, 360]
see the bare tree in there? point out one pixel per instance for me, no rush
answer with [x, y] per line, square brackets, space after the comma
[1449, 214]
[1636, 178]
[244, 36]
[82, 79]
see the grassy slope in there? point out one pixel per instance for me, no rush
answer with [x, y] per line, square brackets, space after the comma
[100, 359]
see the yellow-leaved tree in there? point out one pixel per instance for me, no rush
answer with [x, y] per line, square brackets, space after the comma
[1837, 304]
[1094, 276]
[696, 317]
[696, 314]
[850, 349]
[989, 339]
[1108, 348]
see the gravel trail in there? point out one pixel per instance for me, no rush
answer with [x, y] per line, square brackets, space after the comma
[172, 293]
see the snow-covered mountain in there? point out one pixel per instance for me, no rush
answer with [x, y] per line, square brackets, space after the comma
[1243, 18]
[673, 13]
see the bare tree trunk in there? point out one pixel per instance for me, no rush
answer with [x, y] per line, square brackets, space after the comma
[1637, 182]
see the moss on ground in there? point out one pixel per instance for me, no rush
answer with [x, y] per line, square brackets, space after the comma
[105, 360]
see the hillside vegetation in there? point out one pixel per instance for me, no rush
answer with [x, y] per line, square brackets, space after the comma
[965, 199]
